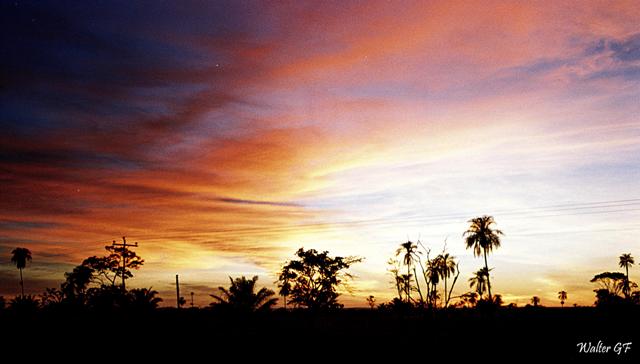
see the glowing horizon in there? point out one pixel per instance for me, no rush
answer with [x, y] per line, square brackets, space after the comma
[224, 136]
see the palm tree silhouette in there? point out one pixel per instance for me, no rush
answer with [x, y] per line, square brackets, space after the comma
[535, 300]
[479, 280]
[626, 260]
[408, 251]
[19, 257]
[144, 298]
[241, 296]
[482, 238]
[433, 273]
[405, 282]
[284, 283]
[473, 298]
[562, 295]
[469, 298]
[446, 266]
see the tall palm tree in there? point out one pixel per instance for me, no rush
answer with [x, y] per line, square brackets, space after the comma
[284, 283]
[405, 281]
[433, 275]
[20, 257]
[408, 251]
[535, 300]
[626, 260]
[446, 266]
[241, 296]
[479, 280]
[562, 295]
[483, 238]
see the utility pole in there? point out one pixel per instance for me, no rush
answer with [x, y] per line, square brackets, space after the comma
[177, 291]
[191, 299]
[124, 246]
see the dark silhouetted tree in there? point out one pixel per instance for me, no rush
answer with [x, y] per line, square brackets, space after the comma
[76, 283]
[396, 305]
[605, 298]
[371, 301]
[143, 299]
[108, 269]
[397, 281]
[72, 291]
[483, 239]
[469, 299]
[535, 300]
[479, 281]
[612, 282]
[106, 298]
[24, 304]
[408, 252]
[20, 257]
[105, 268]
[406, 283]
[241, 296]
[497, 300]
[446, 266]
[626, 261]
[51, 297]
[315, 278]
[284, 284]
[562, 296]
[433, 279]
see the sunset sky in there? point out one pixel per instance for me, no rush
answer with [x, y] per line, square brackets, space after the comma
[222, 136]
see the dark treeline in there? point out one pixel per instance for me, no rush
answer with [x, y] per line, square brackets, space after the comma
[422, 281]
[93, 300]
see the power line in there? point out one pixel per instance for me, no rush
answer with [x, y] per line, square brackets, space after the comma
[416, 218]
[429, 220]
[568, 209]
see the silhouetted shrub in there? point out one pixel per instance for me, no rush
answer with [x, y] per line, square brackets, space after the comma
[26, 304]
[241, 296]
[396, 305]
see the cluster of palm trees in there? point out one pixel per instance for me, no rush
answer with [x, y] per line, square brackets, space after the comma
[433, 270]
[481, 236]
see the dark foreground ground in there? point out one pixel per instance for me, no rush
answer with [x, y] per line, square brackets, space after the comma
[354, 335]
